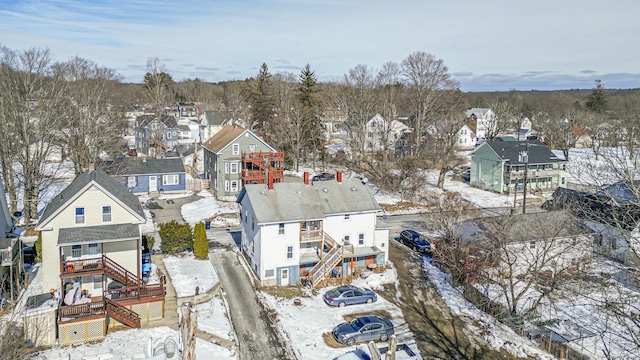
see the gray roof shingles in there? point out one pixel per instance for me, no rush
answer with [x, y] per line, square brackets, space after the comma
[510, 151]
[297, 201]
[102, 179]
[96, 234]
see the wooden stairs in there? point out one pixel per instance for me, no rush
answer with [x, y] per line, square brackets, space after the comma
[122, 314]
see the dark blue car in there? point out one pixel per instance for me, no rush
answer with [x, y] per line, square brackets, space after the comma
[414, 240]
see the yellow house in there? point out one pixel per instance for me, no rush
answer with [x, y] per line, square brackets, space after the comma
[91, 256]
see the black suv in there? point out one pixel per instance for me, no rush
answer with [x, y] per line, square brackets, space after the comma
[323, 177]
[414, 240]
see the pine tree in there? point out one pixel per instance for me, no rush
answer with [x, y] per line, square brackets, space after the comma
[262, 102]
[597, 100]
[200, 243]
[312, 128]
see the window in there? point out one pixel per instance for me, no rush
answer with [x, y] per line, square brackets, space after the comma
[252, 148]
[281, 229]
[79, 215]
[346, 216]
[289, 252]
[268, 273]
[346, 238]
[234, 185]
[173, 179]
[97, 281]
[76, 251]
[532, 245]
[226, 185]
[168, 134]
[246, 215]
[106, 214]
[234, 168]
[93, 249]
[236, 149]
[285, 273]
[226, 168]
[562, 181]
[131, 181]
[360, 239]
[215, 184]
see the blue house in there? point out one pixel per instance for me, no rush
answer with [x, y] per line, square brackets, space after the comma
[150, 176]
[154, 136]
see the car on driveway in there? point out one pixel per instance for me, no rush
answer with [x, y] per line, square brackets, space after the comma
[349, 295]
[414, 240]
[364, 328]
[323, 177]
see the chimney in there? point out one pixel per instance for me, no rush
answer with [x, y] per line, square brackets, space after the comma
[339, 176]
[306, 178]
[92, 167]
[270, 181]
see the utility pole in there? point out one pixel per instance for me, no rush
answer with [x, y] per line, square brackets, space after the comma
[525, 158]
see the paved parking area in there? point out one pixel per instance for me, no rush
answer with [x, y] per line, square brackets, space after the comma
[166, 210]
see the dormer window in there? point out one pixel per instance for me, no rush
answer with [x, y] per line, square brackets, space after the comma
[79, 216]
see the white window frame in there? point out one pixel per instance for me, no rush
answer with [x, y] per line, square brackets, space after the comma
[234, 167]
[93, 249]
[80, 219]
[269, 273]
[235, 149]
[76, 251]
[234, 185]
[171, 179]
[109, 214]
[289, 252]
[281, 229]
[226, 167]
[226, 185]
[360, 239]
[132, 181]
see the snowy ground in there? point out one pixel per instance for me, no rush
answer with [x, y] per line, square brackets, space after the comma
[305, 324]
[187, 273]
[208, 208]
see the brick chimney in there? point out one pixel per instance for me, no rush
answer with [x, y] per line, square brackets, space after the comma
[306, 178]
[339, 176]
[92, 166]
[270, 184]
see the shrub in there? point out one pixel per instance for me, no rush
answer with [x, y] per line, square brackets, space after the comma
[175, 237]
[38, 247]
[150, 240]
[200, 242]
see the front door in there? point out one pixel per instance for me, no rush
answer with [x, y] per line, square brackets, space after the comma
[153, 183]
[284, 277]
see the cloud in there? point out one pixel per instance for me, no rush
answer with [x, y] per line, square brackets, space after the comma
[587, 72]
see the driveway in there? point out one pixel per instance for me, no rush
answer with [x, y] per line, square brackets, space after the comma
[168, 209]
[257, 336]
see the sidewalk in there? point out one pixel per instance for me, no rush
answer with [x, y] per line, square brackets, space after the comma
[170, 300]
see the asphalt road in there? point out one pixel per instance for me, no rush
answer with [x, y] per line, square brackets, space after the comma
[258, 338]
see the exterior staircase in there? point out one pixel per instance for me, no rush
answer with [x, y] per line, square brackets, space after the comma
[122, 314]
[330, 260]
[119, 273]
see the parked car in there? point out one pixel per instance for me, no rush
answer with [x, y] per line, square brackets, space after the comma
[466, 175]
[132, 152]
[323, 177]
[349, 295]
[414, 240]
[364, 328]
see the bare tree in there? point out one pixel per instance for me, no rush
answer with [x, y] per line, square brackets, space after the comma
[235, 98]
[90, 121]
[504, 114]
[157, 84]
[33, 99]
[427, 79]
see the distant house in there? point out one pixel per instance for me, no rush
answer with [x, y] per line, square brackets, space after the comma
[223, 159]
[149, 129]
[213, 121]
[382, 135]
[583, 139]
[479, 121]
[500, 166]
[150, 176]
[333, 121]
[186, 109]
[92, 257]
[305, 230]
[466, 137]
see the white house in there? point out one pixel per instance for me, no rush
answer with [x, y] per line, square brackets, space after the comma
[480, 120]
[466, 137]
[382, 135]
[294, 231]
[213, 121]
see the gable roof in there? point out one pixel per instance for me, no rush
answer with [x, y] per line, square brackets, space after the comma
[509, 151]
[293, 201]
[218, 117]
[145, 167]
[84, 181]
[226, 136]
[167, 120]
[478, 112]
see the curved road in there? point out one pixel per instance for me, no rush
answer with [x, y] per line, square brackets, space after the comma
[257, 337]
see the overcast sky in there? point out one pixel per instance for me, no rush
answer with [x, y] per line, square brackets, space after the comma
[487, 45]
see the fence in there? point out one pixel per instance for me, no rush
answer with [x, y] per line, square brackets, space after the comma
[194, 185]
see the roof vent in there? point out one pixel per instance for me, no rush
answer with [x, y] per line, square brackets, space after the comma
[262, 192]
[325, 190]
[299, 192]
[353, 189]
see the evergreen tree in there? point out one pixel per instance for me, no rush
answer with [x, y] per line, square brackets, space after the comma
[200, 243]
[262, 102]
[175, 237]
[597, 100]
[310, 103]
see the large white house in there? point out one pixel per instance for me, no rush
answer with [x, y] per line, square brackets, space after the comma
[305, 230]
[480, 120]
[382, 134]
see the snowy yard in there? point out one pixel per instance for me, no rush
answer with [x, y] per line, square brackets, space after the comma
[187, 273]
